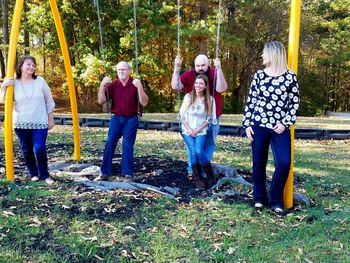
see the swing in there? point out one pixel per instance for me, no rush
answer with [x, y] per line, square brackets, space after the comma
[178, 53]
[96, 4]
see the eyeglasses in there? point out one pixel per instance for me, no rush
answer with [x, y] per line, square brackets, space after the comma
[123, 69]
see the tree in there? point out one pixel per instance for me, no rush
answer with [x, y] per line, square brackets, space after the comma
[5, 35]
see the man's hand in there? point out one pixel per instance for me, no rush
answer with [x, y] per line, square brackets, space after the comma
[137, 83]
[106, 81]
[217, 63]
[279, 128]
[249, 131]
[178, 61]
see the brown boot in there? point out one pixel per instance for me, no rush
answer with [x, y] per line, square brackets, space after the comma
[196, 168]
[210, 181]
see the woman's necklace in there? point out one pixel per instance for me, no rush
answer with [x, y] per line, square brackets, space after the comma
[24, 90]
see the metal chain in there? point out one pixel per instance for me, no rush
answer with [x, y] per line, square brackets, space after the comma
[178, 25]
[217, 50]
[135, 39]
[139, 113]
[101, 37]
[218, 31]
[178, 53]
[217, 46]
[108, 106]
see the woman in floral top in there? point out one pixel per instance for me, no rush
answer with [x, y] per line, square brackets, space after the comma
[271, 109]
[197, 112]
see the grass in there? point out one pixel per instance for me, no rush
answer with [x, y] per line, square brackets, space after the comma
[69, 223]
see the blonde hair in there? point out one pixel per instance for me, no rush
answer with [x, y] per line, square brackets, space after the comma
[207, 96]
[278, 56]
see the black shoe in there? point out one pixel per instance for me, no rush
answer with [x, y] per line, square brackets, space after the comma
[277, 210]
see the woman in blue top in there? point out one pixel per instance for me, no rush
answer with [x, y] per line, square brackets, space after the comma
[271, 109]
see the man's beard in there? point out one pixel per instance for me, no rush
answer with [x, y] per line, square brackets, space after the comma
[202, 72]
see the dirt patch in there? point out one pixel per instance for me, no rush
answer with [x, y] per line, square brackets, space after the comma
[150, 170]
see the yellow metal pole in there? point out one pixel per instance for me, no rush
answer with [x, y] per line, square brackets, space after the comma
[8, 138]
[293, 49]
[67, 65]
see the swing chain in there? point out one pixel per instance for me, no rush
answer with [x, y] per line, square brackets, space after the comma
[96, 4]
[139, 112]
[218, 31]
[135, 40]
[178, 25]
[178, 53]
[217, 50]
[101, 37]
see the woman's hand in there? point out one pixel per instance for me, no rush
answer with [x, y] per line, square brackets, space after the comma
[195, 132]
[7, 82]
[249, 131]
[279, 128]
[51, 122]
[189, 130]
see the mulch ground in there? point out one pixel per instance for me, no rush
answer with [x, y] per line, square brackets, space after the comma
[150, 170]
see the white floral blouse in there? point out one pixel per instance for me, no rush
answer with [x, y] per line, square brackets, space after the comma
[195, 114]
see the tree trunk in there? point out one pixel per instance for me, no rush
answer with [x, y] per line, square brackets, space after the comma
[5, 35]
[203, 15]
[2, 65]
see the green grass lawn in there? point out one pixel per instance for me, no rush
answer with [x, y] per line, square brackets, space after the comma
[70, 223]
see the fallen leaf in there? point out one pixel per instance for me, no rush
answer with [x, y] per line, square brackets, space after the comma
[94, 238]
[99, 258]
[231, 250]
[129, 228]
[8, 213]
[108, 244]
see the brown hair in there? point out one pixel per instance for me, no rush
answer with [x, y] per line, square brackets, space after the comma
[207, 96]
[20, 64]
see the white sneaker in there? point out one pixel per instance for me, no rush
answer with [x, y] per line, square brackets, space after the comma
[258, 205]
[49, 181]
[128, 178]
[34, 179]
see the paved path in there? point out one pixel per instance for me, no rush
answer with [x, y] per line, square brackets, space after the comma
[345, 115]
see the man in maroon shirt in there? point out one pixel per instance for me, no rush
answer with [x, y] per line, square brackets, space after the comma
[125, 94]
[187, 79]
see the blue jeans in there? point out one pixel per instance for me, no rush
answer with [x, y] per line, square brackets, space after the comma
[126, 127]
[281, 149]
[196, 148]
[210, 144]
[33, 145]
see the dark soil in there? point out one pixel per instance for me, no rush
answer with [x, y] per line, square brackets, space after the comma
[150, 170]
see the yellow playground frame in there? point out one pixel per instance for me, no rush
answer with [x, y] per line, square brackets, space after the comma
[8, 140]
[293, 48]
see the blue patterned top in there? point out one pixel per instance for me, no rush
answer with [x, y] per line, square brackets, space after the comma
[272, 100]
